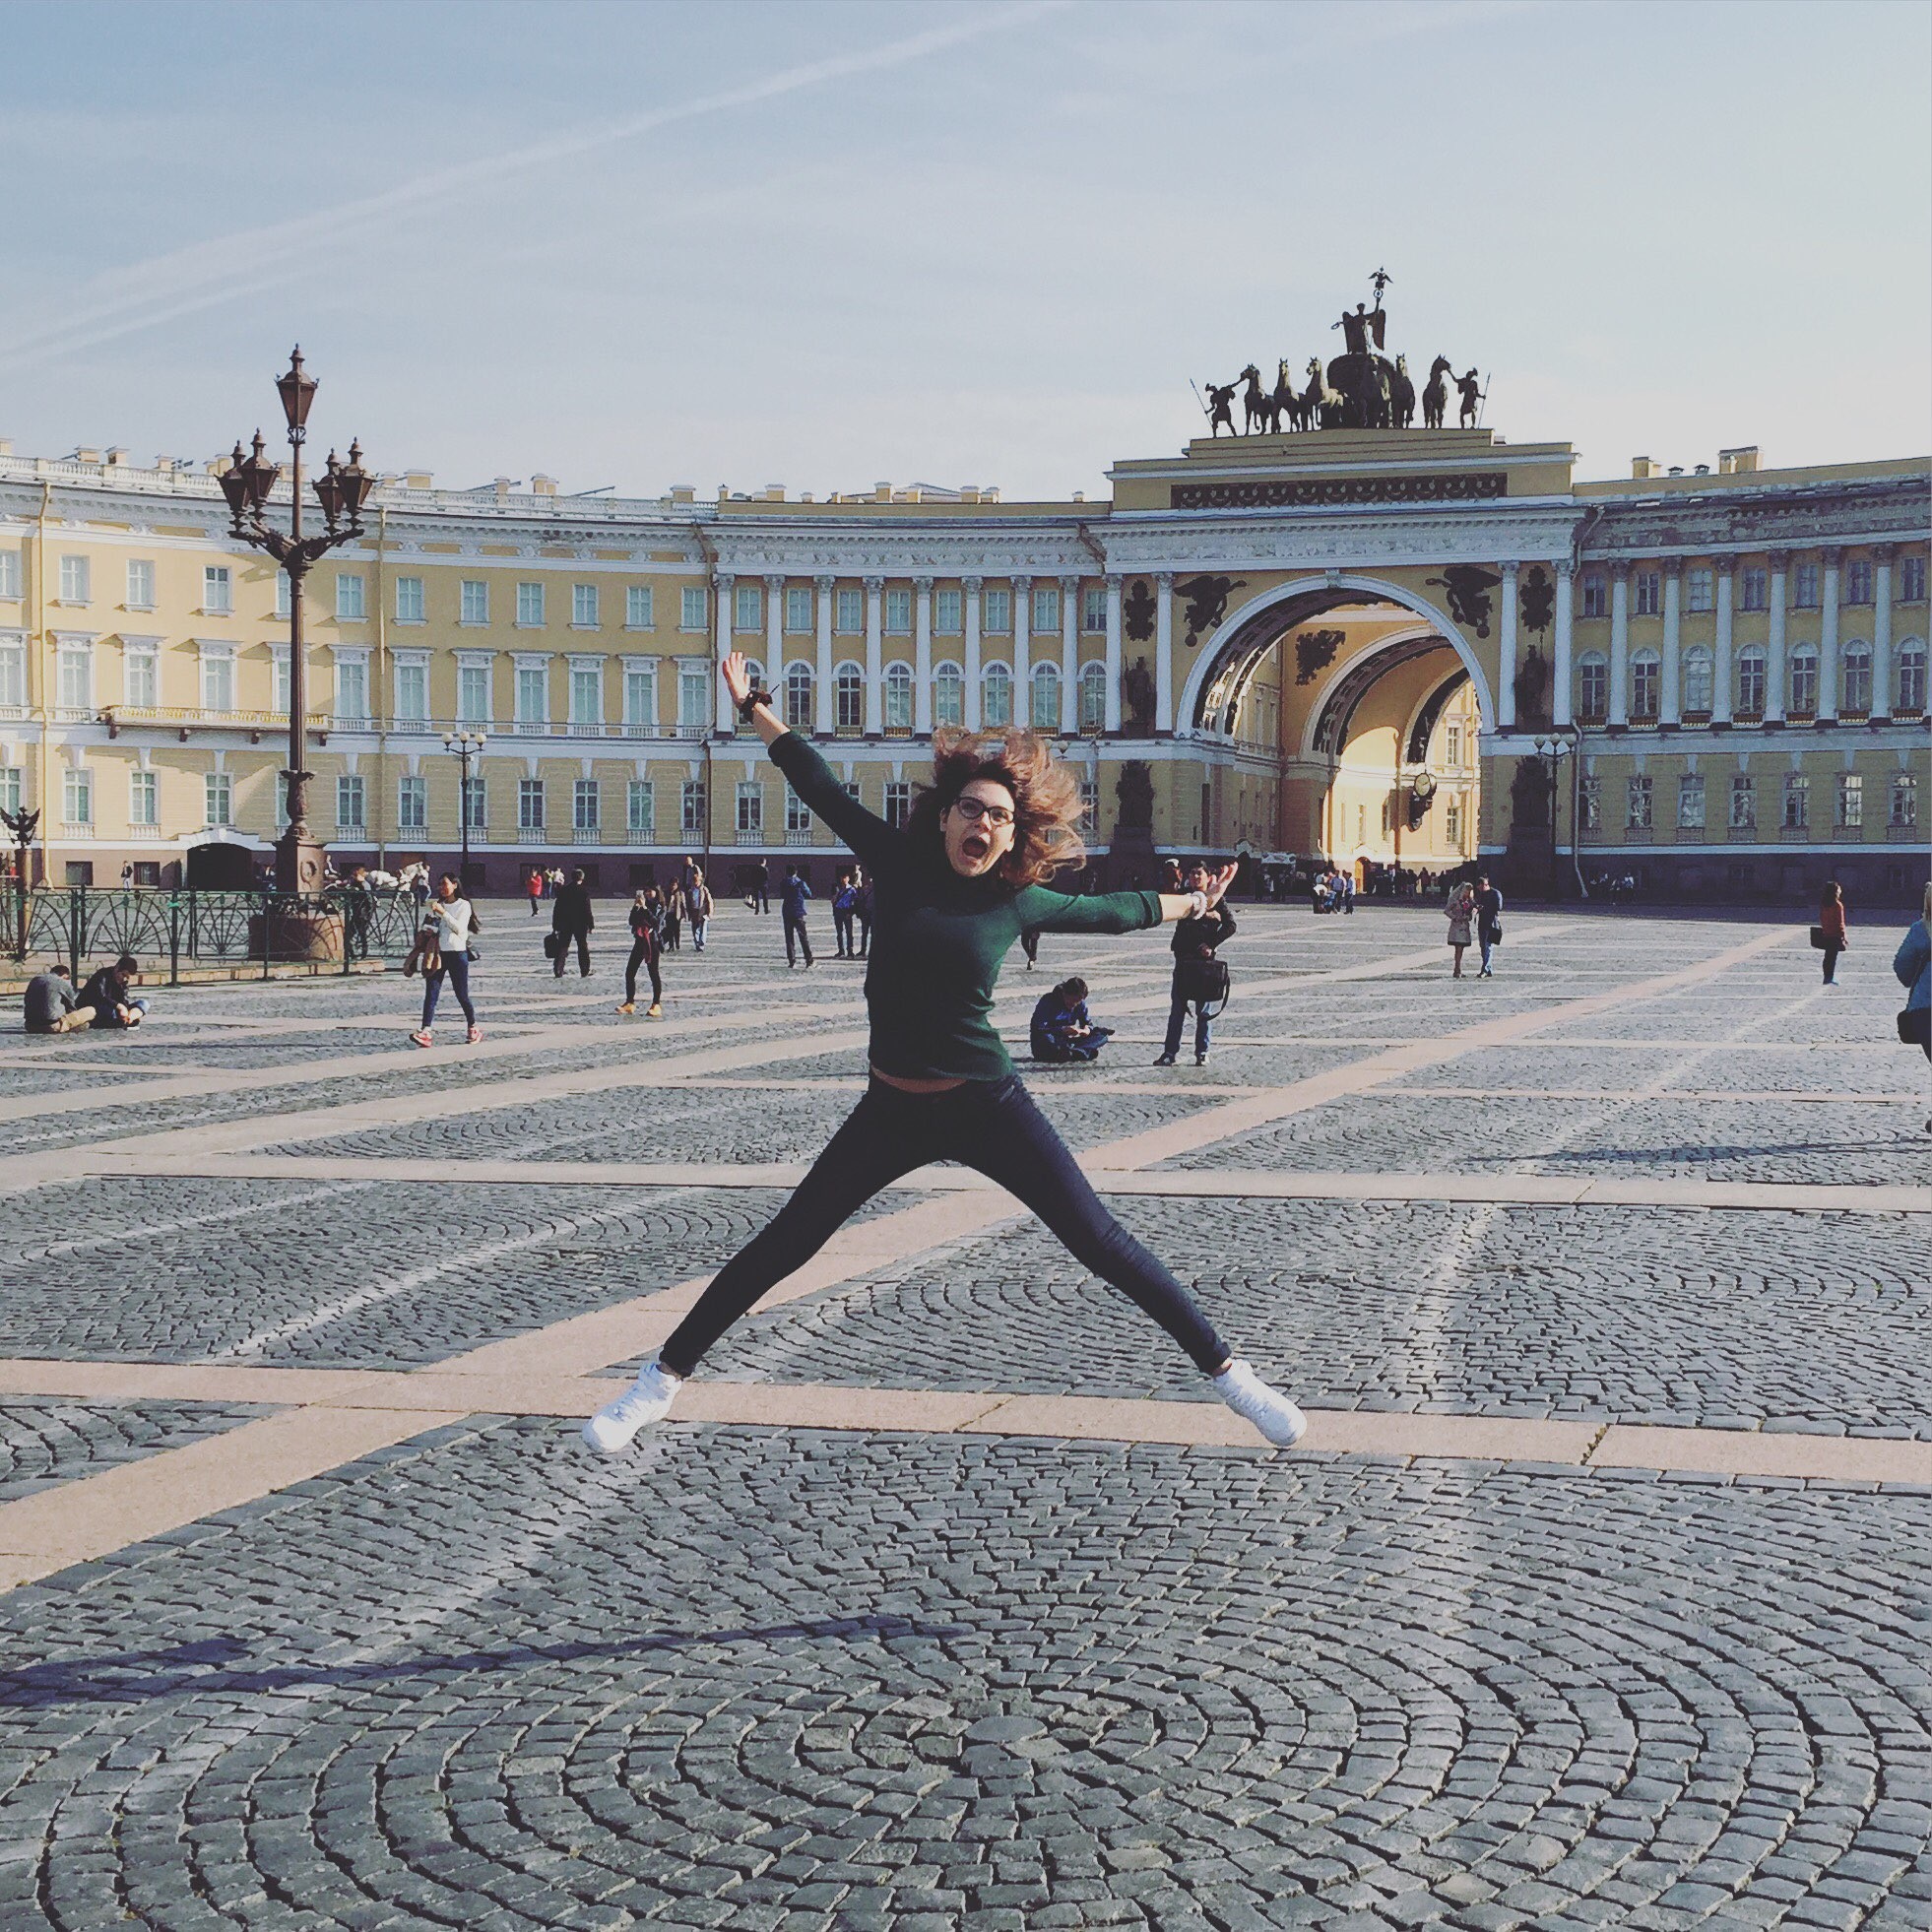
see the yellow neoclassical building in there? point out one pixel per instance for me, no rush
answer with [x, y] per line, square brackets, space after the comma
[1374, 647]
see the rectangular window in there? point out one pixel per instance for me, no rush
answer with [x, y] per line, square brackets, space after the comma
[1453, 744]
[1649, 593]
[9, 574]
[141, 680]
[12, 674]
[1797, 800]
[641, 696]
[748, 608]
[849, 611]
[12, 778]
[1045, 608]
[409, 600]
[1858, 582]
[278, 678]
[1638, 803]
[1804, 587]
[585, 694]
[530, 606]
[691, 811]
[1852, 801]
[797, 817]
[76, 674]
[1700, 590]
[945, 612]
[283, 597]
[1689, 802]
[352, 688]
[692, 614]
[411, 804]
[350, 810]
[1912, 580]
[898, 804]
[351, 601]
[1453, 823]
[997, 612]
[584, 806]
[473, 600]
[798, 607]
[1093, 607]
[476, 803]
[412, 693]
[218, 681]
[750, 807]
[640, 811]
[142, 798]
[76, 581]
[693, 696]
[1753, 589]
[1591, 798]
[638, 607]
[1594, 603]
[584, 607]
[77, 796]
[216, 590]
[472, 694]
[532, 695]
[898, 612]
[218, 794]
[1744, 803]
[140, 584]
[1904, 798]
[530, 804]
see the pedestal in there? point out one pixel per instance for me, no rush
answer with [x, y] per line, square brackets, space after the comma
[300, 865]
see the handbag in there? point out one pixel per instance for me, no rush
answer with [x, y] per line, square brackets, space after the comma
[552, 944]
[472, 954]
[1817, 940]
[1204, 980]
[1916, 1026]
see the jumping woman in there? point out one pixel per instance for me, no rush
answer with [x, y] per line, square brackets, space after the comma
[952, 892]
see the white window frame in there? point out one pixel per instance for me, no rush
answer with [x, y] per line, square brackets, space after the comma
[749, 807]
[1744, 803]
[849, 698]
[898, 611]
[693, 608]
[531, 603]
[410, 676]
[351, 598]
[694, 707]
[143, 795]
[411, 600]
[798, 610]
[848, 611]
[76, 580]
[1093, 607]
[1690, 800]
[690, 807]
[357, 685]
[641, 811]
[139, 675]
[473, 604]
[586, 679]
[641, 693]
[217, 798]
[475, 671]
[996, 677]
[217, 678]
[1852, 801]
[531, 805]
[1902, 800]
[898, 696]
[948, 606]
[140, 583]
[411, 804]
[799, 692]
[586, 806]
[1045, 608]
[216, 590]
[640, 607]
[948, 694]
[1638, 802]
[1700, 670]
[1699, 591]
[531, 676]
[352, 802]
[748, 607]
[10, 575]
[586, 607]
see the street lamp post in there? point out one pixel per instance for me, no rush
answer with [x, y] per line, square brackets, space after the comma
[342, 490]
[1553, 750]
[466, 745]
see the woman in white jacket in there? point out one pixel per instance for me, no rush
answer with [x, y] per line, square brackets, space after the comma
[452, 918]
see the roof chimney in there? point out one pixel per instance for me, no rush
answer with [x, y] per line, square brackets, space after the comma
[540, 485]
[1641, 468]
[1739, 462]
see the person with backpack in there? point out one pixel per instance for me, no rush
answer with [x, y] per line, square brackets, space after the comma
[1200, 980]
[444, 951]
[646, 942]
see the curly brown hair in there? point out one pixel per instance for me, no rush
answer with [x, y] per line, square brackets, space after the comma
[1045, 798]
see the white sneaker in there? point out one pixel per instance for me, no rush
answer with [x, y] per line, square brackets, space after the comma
[646, 1400]
[1272, 1413]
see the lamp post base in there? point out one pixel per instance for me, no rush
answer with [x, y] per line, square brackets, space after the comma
[300, 865]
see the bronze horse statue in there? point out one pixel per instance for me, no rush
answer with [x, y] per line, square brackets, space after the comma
[1322, 407]
[1258, 405]
[1401, 395]
[1288, 413]
[1435, 398]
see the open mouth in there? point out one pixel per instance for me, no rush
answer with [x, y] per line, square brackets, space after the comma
[975, 846]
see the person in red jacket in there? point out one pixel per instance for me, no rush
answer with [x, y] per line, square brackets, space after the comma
[1831, 921]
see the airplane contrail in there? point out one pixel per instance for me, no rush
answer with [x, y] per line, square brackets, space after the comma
[198, 277]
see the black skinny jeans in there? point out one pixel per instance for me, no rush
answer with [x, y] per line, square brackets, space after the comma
[988, 1124]
[643, 952]
[1832, 950]
[567, 936]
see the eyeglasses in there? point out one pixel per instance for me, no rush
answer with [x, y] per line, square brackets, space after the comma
[974, 809]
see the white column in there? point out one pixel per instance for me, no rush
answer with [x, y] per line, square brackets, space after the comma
[1069, 655]
[1778, 572]
[775, 639]
[1618, 646]
[826, 588]
[727, 717]
[1505, 654]
[1669, 704]
[874, 656]
[1881, 630]
[1720, 669]
[923, 656]
[970, 586]
[1163, 650]
[1115, 669]
[1562, 699]
[1828, 640]
[1022, 649]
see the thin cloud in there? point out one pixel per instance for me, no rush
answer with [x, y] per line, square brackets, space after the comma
[208, 272]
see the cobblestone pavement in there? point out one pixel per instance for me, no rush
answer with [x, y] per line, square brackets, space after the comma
[291, 1646]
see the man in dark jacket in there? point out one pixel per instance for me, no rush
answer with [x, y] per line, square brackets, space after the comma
[1196, 940]
[571, 919]
[1488, 923]
[794, 892]
[1062, 1029]
[108, 993]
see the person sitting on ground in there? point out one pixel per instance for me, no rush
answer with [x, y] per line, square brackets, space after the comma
[107, 995]
[1062, 1029]
[50, 1003]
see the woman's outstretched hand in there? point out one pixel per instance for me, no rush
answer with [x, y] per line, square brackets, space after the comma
[737, 680]
[1218, 883]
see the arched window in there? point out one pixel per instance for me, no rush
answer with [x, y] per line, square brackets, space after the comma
[1093, 696]
[949, 695]
[1045, 683]
[1750, 681]
[1645, 685]
[754, 670]
[849, 689]
[898, 697]
[1856, 671]
[1804, 680]
[1911, 675]
[1594, 686]
[999, 694]
[1697, 681]
[797, 695]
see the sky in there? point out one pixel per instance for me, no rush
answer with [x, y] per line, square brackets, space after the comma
[634, 244]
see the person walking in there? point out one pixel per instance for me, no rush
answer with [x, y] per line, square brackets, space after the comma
[1199, 979]
[1912, 966]
[534, 885]
[359, 908]
[646, 942]
[793, 892]
[757, 888]
[862, 910]
[845, 900]
[1489, 923]
[955, 885]
[673, 918]
[698, 905]
[1461, 915]
[1828, 933]
[572, 921]
[450, 927]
